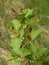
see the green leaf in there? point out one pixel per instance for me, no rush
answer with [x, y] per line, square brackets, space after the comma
[16, 43]
[27, 12]
[14, 62]
[41, 51]
[33, 47]
[35, 33]
[25, 52]
[17, 51]
[16, 24]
